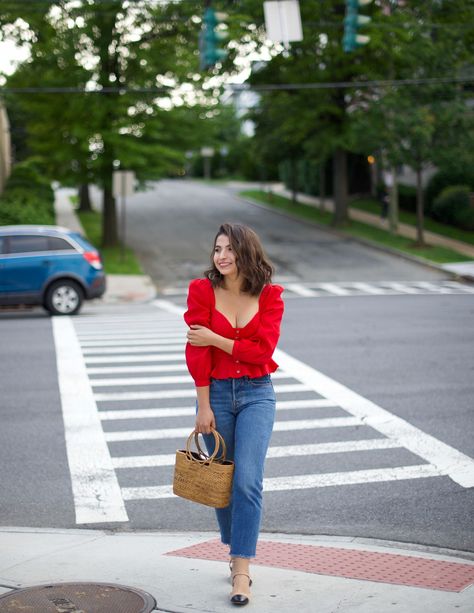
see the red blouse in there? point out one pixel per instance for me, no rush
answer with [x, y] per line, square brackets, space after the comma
[254, 344]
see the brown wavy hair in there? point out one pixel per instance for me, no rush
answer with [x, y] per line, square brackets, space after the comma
[252, 263]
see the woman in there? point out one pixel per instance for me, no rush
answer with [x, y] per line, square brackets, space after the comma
[234, 317]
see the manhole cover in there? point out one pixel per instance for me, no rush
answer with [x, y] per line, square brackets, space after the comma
[77, 598]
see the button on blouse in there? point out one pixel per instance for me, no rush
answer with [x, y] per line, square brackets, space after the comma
[254, 344]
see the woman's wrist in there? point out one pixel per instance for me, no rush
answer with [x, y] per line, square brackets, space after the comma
[204, 408]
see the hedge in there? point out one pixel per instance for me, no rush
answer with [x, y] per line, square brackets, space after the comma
[28, 197]
[453, 206]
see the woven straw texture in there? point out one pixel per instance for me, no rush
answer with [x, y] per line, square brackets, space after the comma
[203, 479]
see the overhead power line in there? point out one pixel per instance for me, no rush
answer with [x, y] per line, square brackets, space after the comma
[244, 86]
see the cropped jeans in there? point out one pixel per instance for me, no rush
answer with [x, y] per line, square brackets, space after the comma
[244, 410]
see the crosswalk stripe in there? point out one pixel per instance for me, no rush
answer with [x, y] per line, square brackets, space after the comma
[434, 288]
[375, 475]
[301, 290]
[125, 381]
[136, 349]
[183, 393]
[281, 405]
[151, 340]
[129, 335]
[280, 426]
[332, 288]
[178, 379]
[120, 359]
[109, 370]
[96, 491]
[140, 325]
[369, 289]
[460, 286]
[285, 451]
[403, 288]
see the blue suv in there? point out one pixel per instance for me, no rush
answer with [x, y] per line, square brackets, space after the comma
[50, 266]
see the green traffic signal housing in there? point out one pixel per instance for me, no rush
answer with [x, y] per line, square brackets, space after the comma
[352, 22]
[211, 38]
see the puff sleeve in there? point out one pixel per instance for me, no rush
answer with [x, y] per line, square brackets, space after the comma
[259, 348]
[199, 359]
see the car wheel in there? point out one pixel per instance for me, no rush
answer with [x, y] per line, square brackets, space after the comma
[63, 297]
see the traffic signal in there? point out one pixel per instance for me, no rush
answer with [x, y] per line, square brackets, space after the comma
[210, 39]
[352, 22]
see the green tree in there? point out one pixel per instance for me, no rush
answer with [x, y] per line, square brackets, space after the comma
[131, 48]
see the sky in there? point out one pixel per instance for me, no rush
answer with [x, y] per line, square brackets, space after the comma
[9, 55]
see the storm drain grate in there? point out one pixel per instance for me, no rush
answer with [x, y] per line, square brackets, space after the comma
[413, 571]
[77, 598]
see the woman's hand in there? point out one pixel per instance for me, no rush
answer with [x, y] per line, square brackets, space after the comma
[205, 420]
[199, 336]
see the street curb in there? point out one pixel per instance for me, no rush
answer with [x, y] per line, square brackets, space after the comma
[334, 540]
[363, 241]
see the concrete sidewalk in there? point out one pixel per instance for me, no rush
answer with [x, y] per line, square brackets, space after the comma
[189, 571]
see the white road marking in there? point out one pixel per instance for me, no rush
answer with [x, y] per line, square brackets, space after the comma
[460, 286]
[136, 349]
[178, 379]
[275, 484]
[432, 287]
[286, 451]
[301, 290]
[281, 405]
[458, 466]
[113, 396]
[96, 492]
[332, 288]
[403, 288]
[141, 325]
[181, 338]
[280, 426]
[110, 370]
[120, 359]
[130, 335]
[369, 289]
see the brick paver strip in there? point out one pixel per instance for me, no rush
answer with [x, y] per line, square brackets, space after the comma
[413, 571]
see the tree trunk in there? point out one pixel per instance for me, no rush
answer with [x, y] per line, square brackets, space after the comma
[84, 198]
[393, 202]
[340, 217]
[420, 240]
[322, 186]
[109, 214]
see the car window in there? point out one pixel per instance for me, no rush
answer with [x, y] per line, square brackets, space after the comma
[58, 244]
[26, 244]
[2, 244]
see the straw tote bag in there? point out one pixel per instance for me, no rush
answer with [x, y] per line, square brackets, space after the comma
[203, 478]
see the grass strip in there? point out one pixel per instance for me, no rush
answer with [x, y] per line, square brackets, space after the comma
[114, 262]
[434, 253]
[373, 206]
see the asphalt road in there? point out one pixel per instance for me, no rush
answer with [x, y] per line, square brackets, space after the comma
[172, 226]
[409, 353]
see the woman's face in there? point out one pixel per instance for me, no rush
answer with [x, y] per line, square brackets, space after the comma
[224, 257]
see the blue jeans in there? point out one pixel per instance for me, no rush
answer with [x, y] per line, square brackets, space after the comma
[244, 410]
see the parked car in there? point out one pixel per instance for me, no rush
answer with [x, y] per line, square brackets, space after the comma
[49, 266]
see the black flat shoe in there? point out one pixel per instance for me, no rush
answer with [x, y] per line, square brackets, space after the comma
[243, 598]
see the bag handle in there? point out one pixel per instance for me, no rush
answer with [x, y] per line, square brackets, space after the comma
[219, 442]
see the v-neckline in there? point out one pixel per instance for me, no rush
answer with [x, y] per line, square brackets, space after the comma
[227, 319]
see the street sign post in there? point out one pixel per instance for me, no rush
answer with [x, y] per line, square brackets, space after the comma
[207, 153]
[123, 185]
